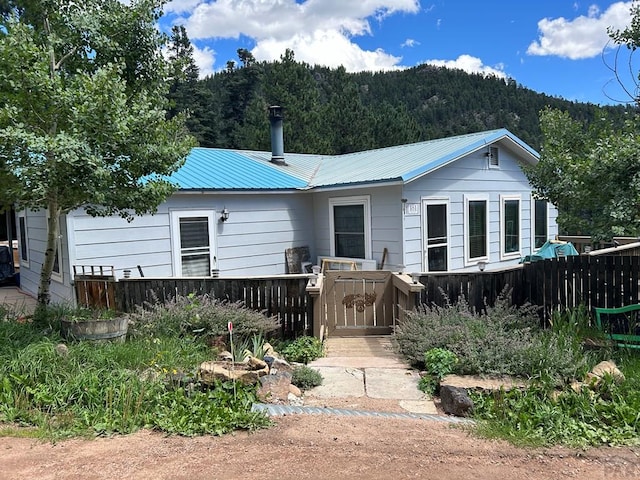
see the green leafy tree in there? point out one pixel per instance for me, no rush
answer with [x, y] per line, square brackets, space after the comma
[83, 91]
[591, 173]
[591, 170]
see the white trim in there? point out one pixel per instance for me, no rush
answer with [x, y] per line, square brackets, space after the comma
[504, 255]
[365, 201]
[24, 262]
[533, 222]
[468, 261]
[176, 256]
[423, 222]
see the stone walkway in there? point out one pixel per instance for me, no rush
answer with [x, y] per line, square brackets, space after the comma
[368, 367]
[14, 298]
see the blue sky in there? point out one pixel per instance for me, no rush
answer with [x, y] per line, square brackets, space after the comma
[557, 47]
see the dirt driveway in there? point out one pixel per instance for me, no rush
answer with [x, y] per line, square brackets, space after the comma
[311, 447]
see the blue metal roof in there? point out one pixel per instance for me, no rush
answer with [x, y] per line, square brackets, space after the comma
[210, 168]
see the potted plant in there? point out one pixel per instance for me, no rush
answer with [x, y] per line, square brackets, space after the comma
[84, 323]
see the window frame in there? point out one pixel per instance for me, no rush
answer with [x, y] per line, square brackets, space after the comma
[24, 245]
[533, 222]
[176, 247]
[365, 201]
[426, 201]
[471, 261]
[504, 255]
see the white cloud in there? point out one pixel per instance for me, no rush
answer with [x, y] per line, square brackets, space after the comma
[205, 58]
[318, 31]
[328, 48]
[181, 6]
[470, 64]
[582, 37]
[410, 42]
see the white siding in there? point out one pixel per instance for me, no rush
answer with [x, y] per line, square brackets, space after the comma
[471, 175]
[386, 222]
[60, 288]
[252, 242]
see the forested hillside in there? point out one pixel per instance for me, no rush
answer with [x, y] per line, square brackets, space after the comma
[331, 111]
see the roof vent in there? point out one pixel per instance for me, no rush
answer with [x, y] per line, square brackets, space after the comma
[276, 116]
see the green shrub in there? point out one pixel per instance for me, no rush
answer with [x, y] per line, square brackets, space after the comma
[501, 340]
[199, 316]
[303, 349]
[438, 362]
[305, 377]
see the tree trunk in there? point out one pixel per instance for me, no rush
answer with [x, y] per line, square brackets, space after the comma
[53, 229]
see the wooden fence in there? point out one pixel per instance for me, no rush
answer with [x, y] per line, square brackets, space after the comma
[592, 281]
[281, 296]
[553, 284]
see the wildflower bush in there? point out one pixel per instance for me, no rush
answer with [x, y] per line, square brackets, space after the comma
[501, 340]
[199, 316]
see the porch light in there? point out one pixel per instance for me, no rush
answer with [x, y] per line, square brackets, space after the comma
[415, 277]
[224, 215]
[482, 265]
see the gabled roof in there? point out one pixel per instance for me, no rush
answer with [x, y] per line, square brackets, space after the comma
[220, 169]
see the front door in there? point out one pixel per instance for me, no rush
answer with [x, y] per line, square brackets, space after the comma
[435, 246]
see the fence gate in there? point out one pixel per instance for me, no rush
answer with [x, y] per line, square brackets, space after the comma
[358, 302]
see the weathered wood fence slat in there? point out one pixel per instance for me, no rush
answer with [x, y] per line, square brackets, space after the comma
[566, 282]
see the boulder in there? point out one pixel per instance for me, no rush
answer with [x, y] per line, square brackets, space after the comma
[269, 351]
[275, 388]
[225, 356]
[279, 365]
[455, 401]
[295, 390]
[594, 377]
[254, 363]
[211, 371]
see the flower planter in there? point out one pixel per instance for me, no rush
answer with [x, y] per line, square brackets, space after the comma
[112, 329]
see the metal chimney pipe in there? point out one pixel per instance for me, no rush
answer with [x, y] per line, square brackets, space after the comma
[276, 116]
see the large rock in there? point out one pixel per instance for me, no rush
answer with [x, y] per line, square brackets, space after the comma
[455, 401]
[211, 371]
[254, 363]
[275, 388]
[594, 377]
[279, 365]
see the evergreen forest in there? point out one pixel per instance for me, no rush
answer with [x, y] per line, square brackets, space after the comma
[331, 111]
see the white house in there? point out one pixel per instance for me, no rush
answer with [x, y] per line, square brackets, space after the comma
[450, 204]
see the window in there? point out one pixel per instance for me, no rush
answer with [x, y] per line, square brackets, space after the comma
[540, 223]
[435, 247]
[510, 226]
[56, 273]
[192, 234]
[477, 228]
[24, 238]
[494, 159]
[350, 227]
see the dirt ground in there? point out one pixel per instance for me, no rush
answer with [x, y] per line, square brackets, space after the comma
[312, 447]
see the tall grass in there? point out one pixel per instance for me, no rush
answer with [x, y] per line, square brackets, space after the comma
[83, 388]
